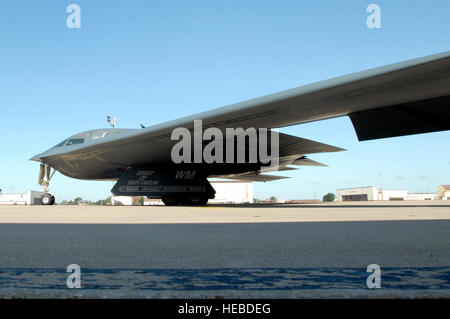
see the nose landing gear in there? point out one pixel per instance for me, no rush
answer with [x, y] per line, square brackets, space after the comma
[47, 199]
[45, 175]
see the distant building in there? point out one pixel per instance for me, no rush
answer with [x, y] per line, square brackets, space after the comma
[232, 192]
[152, 202]
[370, 193]
[421, 196]
[134, 200]
[28, 198]
[125, 200]
[443, 192]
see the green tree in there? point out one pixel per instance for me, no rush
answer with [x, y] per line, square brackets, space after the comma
[107, 201]
[138, 201]
[273, 199]
[329, 197]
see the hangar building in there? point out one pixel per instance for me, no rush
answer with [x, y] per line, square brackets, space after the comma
[370, 193]
[444, 192]
[28, 198]
[233, 192]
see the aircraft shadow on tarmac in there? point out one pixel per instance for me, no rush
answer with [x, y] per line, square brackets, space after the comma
[309, 205]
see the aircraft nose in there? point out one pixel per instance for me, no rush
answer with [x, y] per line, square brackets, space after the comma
[37, 157]
[42, 156]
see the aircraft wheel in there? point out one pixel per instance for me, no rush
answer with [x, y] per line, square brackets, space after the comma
[47, 199]
[170, 200]
[196, 200]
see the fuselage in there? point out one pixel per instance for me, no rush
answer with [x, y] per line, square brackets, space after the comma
[102, 155]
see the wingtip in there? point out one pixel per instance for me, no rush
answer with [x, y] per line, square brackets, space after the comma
[337, 149]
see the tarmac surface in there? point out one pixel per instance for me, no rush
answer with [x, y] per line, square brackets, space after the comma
[222, 251]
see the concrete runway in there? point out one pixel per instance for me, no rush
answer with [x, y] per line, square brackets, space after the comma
[299, 251]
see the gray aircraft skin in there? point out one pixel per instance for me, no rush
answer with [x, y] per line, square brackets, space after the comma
[405, 98]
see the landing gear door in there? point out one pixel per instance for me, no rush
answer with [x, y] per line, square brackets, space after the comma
[157, 183]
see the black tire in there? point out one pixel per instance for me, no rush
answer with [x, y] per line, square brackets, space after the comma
[187, 200]
[170, 200]
[196, 200]
[47, 199]
[53, 200]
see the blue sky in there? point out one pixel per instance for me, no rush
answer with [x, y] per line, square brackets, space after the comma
[149, 62]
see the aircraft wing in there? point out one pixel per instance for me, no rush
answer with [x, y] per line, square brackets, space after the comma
[251, 177]
[399, 99]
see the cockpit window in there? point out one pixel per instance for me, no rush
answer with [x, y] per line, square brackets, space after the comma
[99, 135]
[75, 141]
[60, 144]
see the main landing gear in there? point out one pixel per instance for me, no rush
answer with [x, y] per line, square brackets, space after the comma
[187, 200]
[45, 175]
